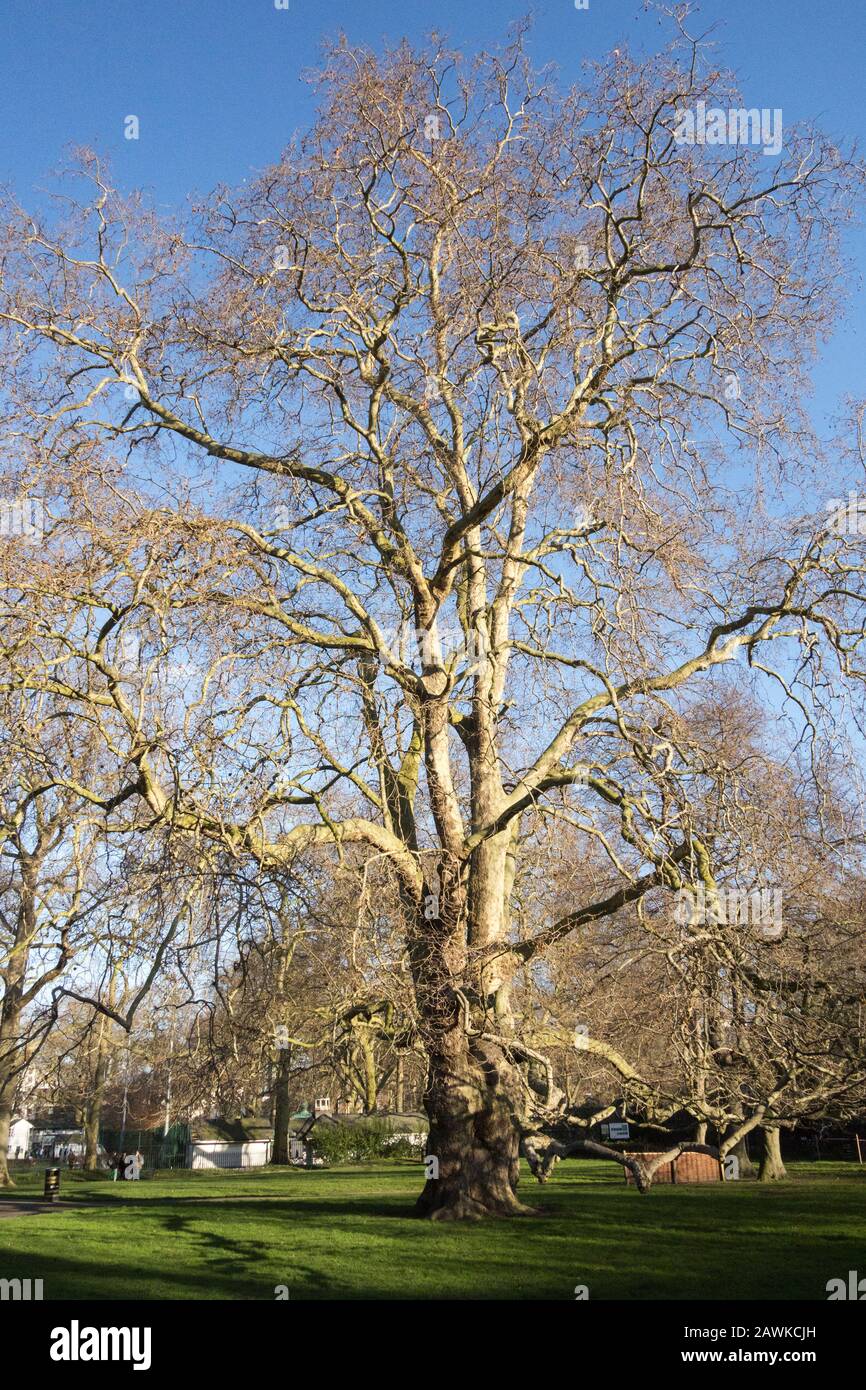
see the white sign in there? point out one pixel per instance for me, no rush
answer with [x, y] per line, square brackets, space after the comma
[618, 1130]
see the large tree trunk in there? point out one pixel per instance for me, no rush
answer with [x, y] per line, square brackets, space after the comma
[6, 1179]
[740, 1151]
[772, 1168]
[93, 1105]
[474, 1135]
[282, 1109]
[17, 995]
[93, 1115]
[10, 1058]
[399, 1091]
[369, 1071]
[473, 1092]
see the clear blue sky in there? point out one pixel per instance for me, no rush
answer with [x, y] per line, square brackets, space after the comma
[216, 83]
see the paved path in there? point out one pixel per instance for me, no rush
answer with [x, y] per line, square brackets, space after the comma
[8, 1208]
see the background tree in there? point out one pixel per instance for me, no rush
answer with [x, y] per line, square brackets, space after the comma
[53, 879]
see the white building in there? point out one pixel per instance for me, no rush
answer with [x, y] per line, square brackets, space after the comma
[58, 1143]
[19, 1139]
[220, 1153]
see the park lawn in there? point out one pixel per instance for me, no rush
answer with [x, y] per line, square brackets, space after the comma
[347, 1233]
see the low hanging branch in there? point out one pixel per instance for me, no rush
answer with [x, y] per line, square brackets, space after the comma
[643, 1167]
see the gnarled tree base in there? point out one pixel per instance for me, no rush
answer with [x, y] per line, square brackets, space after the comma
[463, 1206]
[472, 1148]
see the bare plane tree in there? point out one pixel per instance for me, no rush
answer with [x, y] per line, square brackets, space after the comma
[458, 449]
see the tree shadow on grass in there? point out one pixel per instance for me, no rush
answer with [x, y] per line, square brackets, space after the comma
[68, 1278]
[675, 1243]
[374, 1205]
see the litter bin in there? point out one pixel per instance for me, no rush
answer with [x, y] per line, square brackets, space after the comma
[52, 1184]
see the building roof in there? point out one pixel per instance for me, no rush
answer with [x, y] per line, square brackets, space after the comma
[394, 1123]
[239, 1131]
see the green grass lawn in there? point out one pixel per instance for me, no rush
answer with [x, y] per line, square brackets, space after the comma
[348, 1233]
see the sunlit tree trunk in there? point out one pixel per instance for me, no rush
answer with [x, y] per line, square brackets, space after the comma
[93, 1112]
[9, 1033]
[474, 1093]
[740, 1151]
[6, 1179]
[11, 1045]
[399, 1087]
[772, 1168]
[93, 1102]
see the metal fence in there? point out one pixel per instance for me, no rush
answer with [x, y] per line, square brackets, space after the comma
[158, 1149]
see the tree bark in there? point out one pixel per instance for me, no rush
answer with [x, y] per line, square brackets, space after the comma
[282, 1109]
[18, 994]
[740, 1151]
[399, 1087]
[474, 1092]
[6, 1179]
[369, 1073]
[772, 1168]
[474, 1136]
[93, 1105]
[10, 1042]
[93, 1116]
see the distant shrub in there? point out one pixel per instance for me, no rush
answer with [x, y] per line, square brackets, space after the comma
[406, 1146]
[362, 1142]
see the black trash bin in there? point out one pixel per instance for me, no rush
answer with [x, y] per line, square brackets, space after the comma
[52, 1184]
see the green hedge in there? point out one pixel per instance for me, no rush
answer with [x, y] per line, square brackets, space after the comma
[359, 1143]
